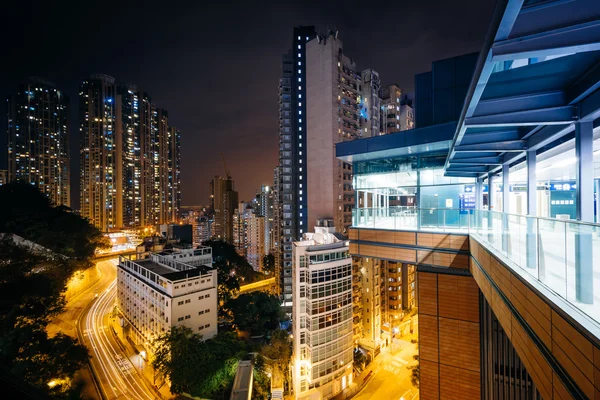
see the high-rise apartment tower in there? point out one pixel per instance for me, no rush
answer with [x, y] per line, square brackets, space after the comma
[38, 139]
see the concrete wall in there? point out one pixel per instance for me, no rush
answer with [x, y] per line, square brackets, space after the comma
[321, 114]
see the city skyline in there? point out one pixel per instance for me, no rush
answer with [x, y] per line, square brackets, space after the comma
[201, 118]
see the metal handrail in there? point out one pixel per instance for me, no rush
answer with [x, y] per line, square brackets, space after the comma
[569, 221]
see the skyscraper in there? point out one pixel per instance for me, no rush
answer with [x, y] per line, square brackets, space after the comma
[333, 115]
[129, 157]
[99, 153]
[292, 158]
[223, 202]
[38, 139]
[174, 171]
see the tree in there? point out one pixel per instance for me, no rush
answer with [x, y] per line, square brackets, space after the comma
[28, 213]
[201, 368]
[415, 372]
[229, 284]
[32, 283]
[268, 264]
[255, 312]
[223, 251]
[359, 359]
[30, 295]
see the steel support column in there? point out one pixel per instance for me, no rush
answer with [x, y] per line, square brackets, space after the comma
[505, 209]
[584, 270]
[491, 206]
[597, 197]
[478, 204]
[584, 151]
[531, 236]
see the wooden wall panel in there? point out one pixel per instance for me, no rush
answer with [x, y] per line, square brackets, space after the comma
[447, 337]
[427, 293]
[468, 299]
[428, 338]
[353, 234]
[448, 295]
[443, 241]
[429, 385]
[576, 351]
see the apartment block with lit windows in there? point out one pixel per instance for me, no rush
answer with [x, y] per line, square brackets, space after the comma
[38, 139]
[173, 288]
[129, 157]
[397, 112]
[322, 314]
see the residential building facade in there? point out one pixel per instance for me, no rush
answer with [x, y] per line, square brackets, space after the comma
[173, 288]
[223, 203]
[129, 157]
[292, 154]
[38, 139]
[397, 110]
[322, 314]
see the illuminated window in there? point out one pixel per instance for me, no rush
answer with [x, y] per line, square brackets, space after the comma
[300, 112]
[299, 79]
[299, 87]
[299, 71]
[307, 38]
[300, 120]
[299, 104]
[299, 62]
[299, 55]
[299, 37]
[299, 47]
[299, 96]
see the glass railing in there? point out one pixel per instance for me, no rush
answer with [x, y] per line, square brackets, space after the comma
[433, 219]
[562, 255]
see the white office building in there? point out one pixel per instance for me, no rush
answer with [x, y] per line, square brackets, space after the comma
[173, 288]
[322, 314]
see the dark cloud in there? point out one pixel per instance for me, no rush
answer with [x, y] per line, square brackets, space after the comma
[216, 68]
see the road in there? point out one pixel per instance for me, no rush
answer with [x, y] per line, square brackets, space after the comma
[116, 375]
[392, 379]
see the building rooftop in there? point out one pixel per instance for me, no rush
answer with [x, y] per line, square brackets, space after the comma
[173, 274]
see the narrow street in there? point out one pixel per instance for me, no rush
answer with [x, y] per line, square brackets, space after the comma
[117, 376]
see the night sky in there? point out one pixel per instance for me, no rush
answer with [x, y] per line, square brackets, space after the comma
[215, 68]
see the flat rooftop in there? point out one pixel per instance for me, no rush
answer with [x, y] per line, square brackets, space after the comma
[172, 274]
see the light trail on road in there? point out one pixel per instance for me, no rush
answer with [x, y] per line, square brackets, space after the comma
[116, 373]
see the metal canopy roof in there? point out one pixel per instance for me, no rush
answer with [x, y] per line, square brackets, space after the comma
[436, 138]
[538, 73]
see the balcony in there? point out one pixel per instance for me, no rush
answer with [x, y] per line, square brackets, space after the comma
[561, 257]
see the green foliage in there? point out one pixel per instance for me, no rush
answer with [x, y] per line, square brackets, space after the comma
[359, 359]
[30, 295]
[200, 368]
[32, 283]
[229, 283]
[28, 213]
[415, 372]
[268, 263]
[255, 312]
[277, 354]
[261, 388]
